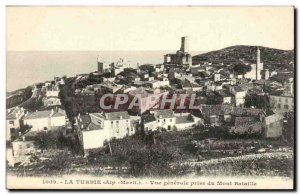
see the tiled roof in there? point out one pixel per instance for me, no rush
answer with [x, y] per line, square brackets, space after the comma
[11, 113]
[90, 122]
[208, 110]
[184, 119]
[109, 84]
[166, 113]
[224, 93]
[59, 112]
[238, 111]
[117, 115]
[245, 121]
[38, 114]
[238, 89]
[45, 114]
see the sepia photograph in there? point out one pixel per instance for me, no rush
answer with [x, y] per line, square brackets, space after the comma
[150, 98]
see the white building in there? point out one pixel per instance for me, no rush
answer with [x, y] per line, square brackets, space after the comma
[96, 128]
[51, 101]
[273, 125]
[21, 149]
[52, 91]
[170, 121]
[45, 120]
[159, 83]
[13, 122]
[282, 103]
[239, 95]
[186, 121]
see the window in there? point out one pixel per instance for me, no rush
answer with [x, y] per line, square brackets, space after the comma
[279, 99]
[278, 106]
[28, 145]
[170, 120]
[12, 130]
[11, 123]
[286, 106]
[164, 120]
[131, 129]
[117, 130]
[286, 100]
[271, 125]
[157, 120]
[169, 127]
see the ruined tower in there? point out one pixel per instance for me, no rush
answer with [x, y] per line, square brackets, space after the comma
[184, 44]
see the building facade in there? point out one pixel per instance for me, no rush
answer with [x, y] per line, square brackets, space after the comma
[13, 122]
[45, 120]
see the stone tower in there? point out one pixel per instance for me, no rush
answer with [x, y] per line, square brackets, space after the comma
[184, 44]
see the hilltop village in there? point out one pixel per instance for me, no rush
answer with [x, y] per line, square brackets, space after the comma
[242, 106]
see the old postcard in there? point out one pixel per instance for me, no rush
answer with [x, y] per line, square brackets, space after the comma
[138, 98]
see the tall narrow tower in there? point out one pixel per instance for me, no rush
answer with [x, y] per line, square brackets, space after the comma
[259, 65]
[258, 56]
[184, 44]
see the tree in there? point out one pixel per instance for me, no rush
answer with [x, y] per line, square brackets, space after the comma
[66, 96]
[258, 101]
[45, 140]
[59, 162]
[28, 92]
[150, 162]
[242, 69]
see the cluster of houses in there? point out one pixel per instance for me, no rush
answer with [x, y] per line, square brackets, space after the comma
[95, 129]
[50, 93]
[220, 94]
[23, 125]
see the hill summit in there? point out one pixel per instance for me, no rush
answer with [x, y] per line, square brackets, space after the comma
[272, 58]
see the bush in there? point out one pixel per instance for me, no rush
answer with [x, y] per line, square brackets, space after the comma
[150, 163]
[58, 162]
[242, 69]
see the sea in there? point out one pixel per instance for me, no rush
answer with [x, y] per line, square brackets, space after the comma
[24, 68]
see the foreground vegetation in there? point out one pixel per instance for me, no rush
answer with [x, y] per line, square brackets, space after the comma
[165, 154]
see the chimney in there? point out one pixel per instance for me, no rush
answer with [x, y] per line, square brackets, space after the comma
[23, 138]
[121, 117]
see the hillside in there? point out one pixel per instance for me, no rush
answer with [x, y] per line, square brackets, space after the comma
[272, 58]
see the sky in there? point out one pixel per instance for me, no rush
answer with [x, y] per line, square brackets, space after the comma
[147, 28]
